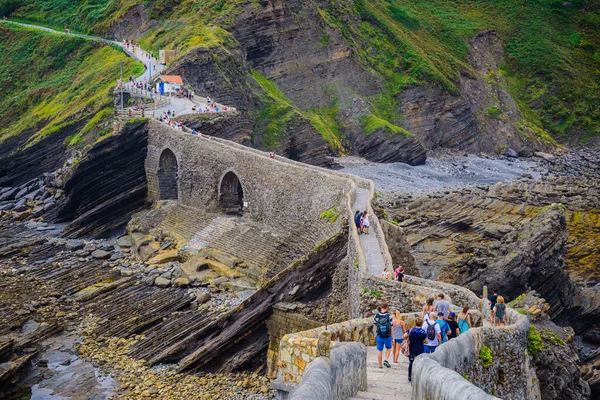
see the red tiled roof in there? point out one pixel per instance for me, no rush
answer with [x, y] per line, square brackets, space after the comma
[176, 79]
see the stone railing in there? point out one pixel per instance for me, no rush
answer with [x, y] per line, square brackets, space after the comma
[480, 361]
[297, 350]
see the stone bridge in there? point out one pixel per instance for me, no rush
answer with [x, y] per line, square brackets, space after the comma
[215, 175]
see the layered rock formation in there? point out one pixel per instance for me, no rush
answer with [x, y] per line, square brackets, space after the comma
[106, 186]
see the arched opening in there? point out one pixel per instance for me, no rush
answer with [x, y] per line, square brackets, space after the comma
[231, 194]
[167, 175]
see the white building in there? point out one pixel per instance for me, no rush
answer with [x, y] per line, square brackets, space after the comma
[169, 84]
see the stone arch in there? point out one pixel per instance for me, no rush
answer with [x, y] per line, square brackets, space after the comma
[231, 194]
[168, 175]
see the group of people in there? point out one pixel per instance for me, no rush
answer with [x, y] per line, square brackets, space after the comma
[397, 275]
[436, 325]
[361, 219]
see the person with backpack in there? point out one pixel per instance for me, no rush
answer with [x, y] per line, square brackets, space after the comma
[398, 329]
[383, 324]
[434, 333]
[444, 327]
[417, 338]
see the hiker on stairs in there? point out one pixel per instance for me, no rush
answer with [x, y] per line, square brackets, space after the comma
[383, 324]
[417, 338]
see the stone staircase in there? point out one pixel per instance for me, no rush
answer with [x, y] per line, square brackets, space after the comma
[385, 383]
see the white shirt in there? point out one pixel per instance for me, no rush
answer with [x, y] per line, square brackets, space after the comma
[438, 331]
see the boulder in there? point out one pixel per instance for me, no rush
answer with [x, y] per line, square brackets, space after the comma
[181, 282]
[203, 298]
[162, 282]
[127, 272]
[101, 254]
[146, 252]
[164, 257]
[545, 156]
[21, 193]
[512, 153]
[203, 269]
[124, 242]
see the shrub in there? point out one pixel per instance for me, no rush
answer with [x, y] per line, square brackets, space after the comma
[534, 342]
[494, 112]
[485, 355]
[331, 215]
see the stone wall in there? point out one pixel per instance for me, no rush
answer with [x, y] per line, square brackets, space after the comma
[456, 370]
[284, 321]
[340, 376]
[277, 193]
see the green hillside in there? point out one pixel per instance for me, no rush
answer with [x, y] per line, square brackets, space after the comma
[52, 81]
[552, 46]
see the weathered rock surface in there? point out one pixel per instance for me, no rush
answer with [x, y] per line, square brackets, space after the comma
[107, 186]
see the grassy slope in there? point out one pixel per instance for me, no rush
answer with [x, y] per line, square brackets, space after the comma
[553, 51]
[552, 46]
[50, 81]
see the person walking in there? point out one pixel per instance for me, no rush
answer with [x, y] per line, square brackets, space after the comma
[427, 308]
[499, 312]
[444, 328]
[398, 329]
[454, 330]
[366, 223]
[399, 273]
[434, 333]
[386, 274]
[383, 325]
[464, 320]
[417, 338]
[442, 305]
[357, 218]
[493, 298]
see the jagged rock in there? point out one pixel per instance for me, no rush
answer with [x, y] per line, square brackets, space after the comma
[512, 153]
[101, 254]
[106, 186]
[9, 194]
[162, 282]
[398, 247]
[127, 272]
[21, 193]
[20, 206]
[381, 146]
[219, 281]
[146, 252]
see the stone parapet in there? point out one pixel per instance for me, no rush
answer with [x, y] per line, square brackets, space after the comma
[460, 369]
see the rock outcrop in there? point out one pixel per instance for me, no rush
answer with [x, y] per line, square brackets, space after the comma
[556, 362]
[106, 186]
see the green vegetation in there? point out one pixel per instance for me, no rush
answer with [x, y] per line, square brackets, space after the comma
[518, 298]
[535, 344]
[53, 81]
[331, 215]
[278, 111]
[494, 112]
[485, 355]
[552, 337]
[372, 292]
[552, 62]
[371, 123]
[552, 52]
